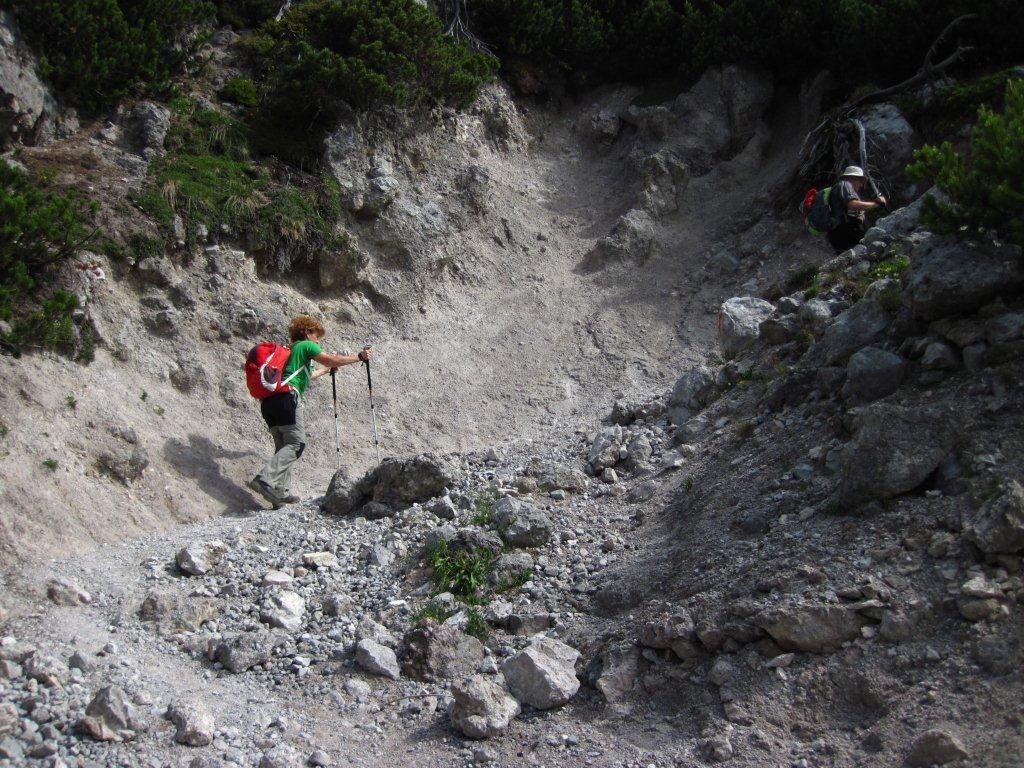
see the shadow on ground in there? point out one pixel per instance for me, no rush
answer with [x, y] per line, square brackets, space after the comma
[199, 459]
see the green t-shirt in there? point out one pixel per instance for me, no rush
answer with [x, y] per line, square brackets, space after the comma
[302, 356]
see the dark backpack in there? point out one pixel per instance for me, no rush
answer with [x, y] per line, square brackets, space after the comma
[819, 216]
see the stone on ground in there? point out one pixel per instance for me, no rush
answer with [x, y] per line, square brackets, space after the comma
[520, 523]
[936, 747]
[200, 558]
[997, 527]
[193, 721]
[435, 653]
[64, 592]
[739, 324]
[894, 450]
[481, 708]
[543, 675]
[377, 659]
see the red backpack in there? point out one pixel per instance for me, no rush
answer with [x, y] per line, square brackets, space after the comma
[264, 367]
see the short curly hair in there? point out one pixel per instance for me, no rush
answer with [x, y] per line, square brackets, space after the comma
[303, 325]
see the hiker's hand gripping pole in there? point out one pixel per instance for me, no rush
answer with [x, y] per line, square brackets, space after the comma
[373, 409]
[334, 393]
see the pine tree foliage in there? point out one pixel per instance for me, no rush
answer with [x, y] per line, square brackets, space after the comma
[858, 40]
[95, 52]
[326, 55]
[985, 183]
[39, 230]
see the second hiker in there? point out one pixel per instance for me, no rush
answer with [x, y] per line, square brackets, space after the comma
[283, 410]
[848, 209]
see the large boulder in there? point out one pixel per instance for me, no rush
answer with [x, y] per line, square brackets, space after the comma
[110, 716]
[620, 669]
[543, 675]
[145, 127]
[481, 708]
[739, 323]
[520, 523]
[665, 178]
[693, 390]
[604, 450]
[285, 610]
[393, 485]
[892, 138]
[193, 722]
[893, 451]
[860, 325]
[997, 527]
[564, 477]
[811, 628]
[872, 373]
[956, 277]
[936, 747]
[435, 653]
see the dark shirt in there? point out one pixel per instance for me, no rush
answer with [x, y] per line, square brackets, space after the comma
[842, 195]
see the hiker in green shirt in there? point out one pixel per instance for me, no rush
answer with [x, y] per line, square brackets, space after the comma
[283, 410]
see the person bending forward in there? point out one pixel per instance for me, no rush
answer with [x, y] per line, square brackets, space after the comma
[283, 410]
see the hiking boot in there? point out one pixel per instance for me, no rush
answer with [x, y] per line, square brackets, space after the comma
[264, 489]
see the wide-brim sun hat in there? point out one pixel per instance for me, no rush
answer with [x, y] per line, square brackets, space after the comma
[853, 172]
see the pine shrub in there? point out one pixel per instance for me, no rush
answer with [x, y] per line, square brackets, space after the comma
[325, 56]
[94, 52]
[39, 231]
[858, 40]
[246, 14]
[985, 182]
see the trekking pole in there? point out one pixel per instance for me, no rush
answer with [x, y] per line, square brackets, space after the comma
[334, 393]
[373, 410]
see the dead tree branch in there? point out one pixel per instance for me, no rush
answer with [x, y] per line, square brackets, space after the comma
[828, 143]
[456, 17]
[928, 69]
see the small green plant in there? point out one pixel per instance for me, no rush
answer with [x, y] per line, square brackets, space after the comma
[688, 483]
[476, 625]
[985, 184]
[514, 583]
[159, 410]
[461, 573]
[4, 431]
[71, 402]
[144, 396]
[891, 268]
[241, 91]
[431, 612]
[484, 505]
[51, 464]
[744, 429]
